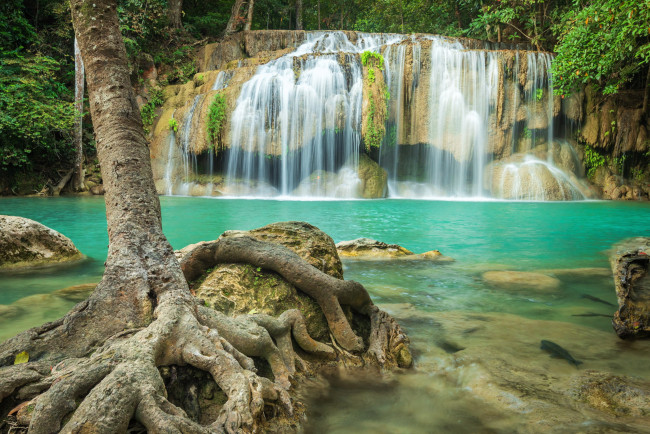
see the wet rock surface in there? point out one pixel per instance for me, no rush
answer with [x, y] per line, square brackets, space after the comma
[630, 261]
[522, 280]
[496, 358]
[26, 243]
[368, 249]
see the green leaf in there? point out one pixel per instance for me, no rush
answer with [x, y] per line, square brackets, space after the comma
[21, 358]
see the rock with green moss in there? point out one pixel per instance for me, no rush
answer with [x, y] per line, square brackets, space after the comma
[236, 288]
[26, 243]
[374, 179]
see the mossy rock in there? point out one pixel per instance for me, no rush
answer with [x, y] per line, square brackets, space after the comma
[239, 289]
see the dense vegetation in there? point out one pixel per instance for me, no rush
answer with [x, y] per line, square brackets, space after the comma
[605, 43]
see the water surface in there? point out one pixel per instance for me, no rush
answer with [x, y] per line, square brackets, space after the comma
[480, 236]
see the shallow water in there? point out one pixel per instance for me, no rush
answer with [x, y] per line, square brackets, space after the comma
[427, 298]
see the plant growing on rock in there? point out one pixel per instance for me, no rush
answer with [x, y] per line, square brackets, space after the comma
[216, 117]
[375, 106]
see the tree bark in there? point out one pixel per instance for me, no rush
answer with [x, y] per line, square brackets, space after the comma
[299, 15]
[235, 18]
[174, 13]
[646, 94]
[79, 77]
[249, 15]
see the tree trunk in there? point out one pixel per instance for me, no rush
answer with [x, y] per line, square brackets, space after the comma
[299, 15]
[318, 14]
[249, 15]
[646, 94]
[174, 13]
[235, 18]
[97, 368]
[78, 180]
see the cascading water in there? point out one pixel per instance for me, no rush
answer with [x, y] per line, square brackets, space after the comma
[461, 122]
[297, 120]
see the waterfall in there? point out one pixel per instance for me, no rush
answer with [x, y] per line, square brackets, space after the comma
[462, 121]
[297, 120]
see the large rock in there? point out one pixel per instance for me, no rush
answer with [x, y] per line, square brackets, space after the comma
[368, 249]
[630, 262]
[525, 177]
[25, 243]
[238, 289]
[374, 179]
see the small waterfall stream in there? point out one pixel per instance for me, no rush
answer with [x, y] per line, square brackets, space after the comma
[461, 122]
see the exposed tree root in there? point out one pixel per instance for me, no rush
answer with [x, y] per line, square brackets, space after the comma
[120, 381]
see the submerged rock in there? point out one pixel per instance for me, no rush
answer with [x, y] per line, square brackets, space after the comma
[518, 280]
[7, 312]
[76, 292]
[367, 248]
[630, 262]
[619, 395]
[26, 243]
[499, 361]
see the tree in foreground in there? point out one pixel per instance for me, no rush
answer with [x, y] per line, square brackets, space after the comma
[97, 368]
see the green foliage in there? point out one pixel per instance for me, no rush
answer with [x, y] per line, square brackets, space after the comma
[148, 111]
[216, 116]
[173, 125]
[375, 131]
[539, 94]
[619, 164]
[593, 160]
[530, 21]
[603, 42]
[372, 58]
[371, 75]
[36, 111]
[141, 23]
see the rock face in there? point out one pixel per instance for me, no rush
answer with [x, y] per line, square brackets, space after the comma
[630, 264]
[236, 289]
[368, 249]
[517, 280]
[25, 243]
[374, 179]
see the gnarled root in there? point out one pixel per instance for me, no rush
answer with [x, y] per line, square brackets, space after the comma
[121, 379]
[388, 344]
[329, 292]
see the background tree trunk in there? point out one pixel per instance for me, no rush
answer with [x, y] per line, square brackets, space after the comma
[318, 4]
[174, 13]
[78, 179]
[235, 18]
[249, 15]
[299, 15]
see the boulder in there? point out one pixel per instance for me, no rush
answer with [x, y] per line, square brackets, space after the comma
[630, 261]
[236, 289]
[25, 243]
[526, 177]
[368, 249]
[522, 280]
[374, 179]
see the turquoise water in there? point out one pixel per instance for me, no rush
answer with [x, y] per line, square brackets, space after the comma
[480, 236]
